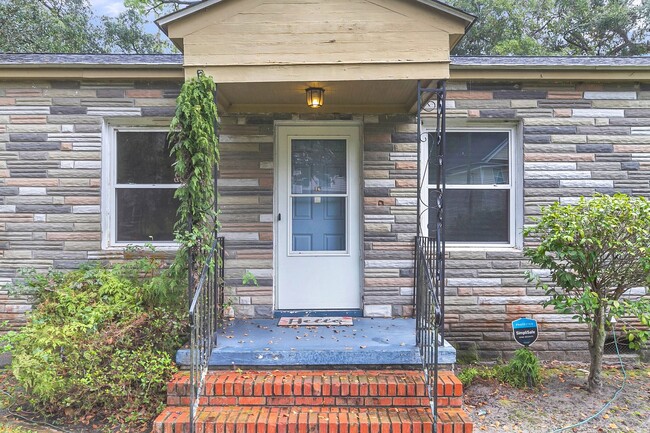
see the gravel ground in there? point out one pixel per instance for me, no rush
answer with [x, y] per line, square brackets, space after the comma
[561, 401]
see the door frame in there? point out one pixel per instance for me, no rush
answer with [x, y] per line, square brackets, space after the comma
[329, 124]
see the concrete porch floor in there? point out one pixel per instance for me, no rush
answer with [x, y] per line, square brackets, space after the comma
[368, 342]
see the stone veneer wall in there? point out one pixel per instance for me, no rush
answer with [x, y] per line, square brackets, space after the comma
[246, 187]
[577, 139]
[50, 188]
[50, 171]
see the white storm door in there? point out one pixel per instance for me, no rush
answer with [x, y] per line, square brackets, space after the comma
[318, 218]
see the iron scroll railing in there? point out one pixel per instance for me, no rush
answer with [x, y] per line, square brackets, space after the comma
[204, 316]
[429, 316]
[430, 251]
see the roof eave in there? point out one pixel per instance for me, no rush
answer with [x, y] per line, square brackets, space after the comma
[165, 20]
[458, 13]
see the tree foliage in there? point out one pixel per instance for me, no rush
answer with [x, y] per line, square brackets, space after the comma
[556, 27]
[503, 27]
[596, 252]
[70, 26]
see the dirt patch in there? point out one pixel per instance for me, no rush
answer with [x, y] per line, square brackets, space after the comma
[561, 401]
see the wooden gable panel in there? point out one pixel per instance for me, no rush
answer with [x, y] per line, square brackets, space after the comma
[333, 34]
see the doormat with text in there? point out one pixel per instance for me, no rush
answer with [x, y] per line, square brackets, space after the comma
[315, 321]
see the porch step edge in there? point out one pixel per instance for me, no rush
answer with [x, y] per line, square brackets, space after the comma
[309, 383]
[314, 420]
[224, 357]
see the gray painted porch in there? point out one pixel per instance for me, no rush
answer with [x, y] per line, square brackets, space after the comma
[369, 342]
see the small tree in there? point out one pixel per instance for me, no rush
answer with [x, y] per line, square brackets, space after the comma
[596, 251]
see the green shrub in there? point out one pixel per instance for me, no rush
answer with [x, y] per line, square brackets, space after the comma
[100, 341]
[468, 374]
[522, 371]
[14, 429]
[596, 252]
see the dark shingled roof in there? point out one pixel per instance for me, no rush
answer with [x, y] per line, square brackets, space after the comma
[171, 60]
[578, 62]
[150, 60]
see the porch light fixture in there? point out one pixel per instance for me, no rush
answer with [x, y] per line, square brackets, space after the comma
[315, 97]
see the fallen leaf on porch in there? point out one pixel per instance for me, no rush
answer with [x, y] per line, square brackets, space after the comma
[297, 338]
[362, 347]
[402, 344]
[260, 356]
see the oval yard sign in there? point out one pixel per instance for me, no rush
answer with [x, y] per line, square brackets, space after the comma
[525, 331]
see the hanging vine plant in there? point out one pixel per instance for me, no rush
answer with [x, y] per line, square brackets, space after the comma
[195, 147]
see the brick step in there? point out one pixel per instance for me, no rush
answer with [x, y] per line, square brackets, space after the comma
[348, 388]
[233, 419]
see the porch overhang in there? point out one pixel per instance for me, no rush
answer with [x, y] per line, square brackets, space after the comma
[367, 55]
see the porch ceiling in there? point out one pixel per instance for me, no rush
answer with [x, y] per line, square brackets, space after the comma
[377, 96]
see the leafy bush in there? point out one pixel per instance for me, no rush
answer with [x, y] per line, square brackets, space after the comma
[596, 251]
[522, 371]
[469, 374]
[100, 341]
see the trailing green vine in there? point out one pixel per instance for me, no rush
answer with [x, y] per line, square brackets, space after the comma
[195, 147]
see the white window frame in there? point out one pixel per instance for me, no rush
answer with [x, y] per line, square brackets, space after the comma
[346, 196]
[110, 185]
[515, 186]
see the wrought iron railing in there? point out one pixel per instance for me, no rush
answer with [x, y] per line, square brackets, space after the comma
[205, 313]
[430, 250]
[429, 315]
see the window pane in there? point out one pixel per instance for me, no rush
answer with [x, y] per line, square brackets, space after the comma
[318, 224]
[474, 215]
[318, 167]
[145, 215]
[475, 158]
[143, 157]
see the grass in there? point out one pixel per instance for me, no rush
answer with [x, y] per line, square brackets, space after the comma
[4, 428]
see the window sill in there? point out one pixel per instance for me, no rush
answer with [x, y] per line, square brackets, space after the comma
[143, 249]
[479, 247]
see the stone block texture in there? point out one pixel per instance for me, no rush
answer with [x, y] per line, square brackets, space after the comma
[50, 171]
[575, 139]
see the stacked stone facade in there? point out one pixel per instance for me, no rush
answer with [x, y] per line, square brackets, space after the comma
[574, 139]
[50, 171]
[246, 203]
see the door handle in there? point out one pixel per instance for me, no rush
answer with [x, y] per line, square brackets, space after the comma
[279, 217]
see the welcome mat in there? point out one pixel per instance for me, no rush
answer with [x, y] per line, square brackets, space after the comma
[315, 321]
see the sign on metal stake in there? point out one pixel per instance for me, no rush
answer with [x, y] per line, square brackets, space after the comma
[525, 331]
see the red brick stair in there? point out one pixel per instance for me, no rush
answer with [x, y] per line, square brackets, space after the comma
[297, 401]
